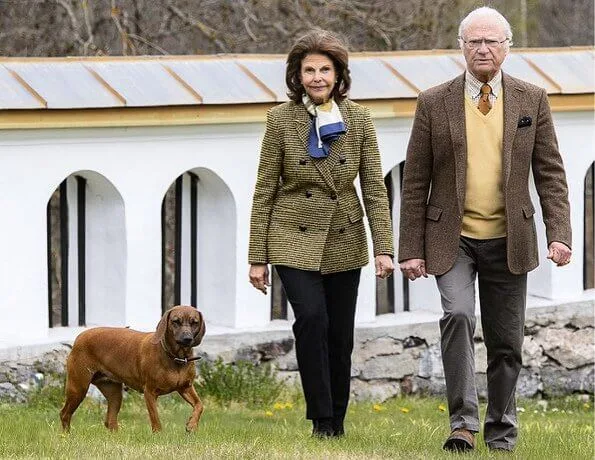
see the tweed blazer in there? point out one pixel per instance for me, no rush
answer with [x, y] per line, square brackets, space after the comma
[306, 213]
[434, 181]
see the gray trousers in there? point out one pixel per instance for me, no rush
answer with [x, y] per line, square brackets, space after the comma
[502, 297]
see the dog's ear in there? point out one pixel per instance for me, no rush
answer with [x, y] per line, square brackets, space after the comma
[161, 328]
[201, 331]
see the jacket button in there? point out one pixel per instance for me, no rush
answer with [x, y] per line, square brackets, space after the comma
[342, 159]
[333, 196]
[341, 230]
[308, 194]
[303, 228]
[303, 162]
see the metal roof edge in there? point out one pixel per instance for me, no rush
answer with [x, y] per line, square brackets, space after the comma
[246, 79]
[218, 114]
[258, 56]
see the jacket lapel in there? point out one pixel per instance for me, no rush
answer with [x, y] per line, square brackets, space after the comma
[512, 107]
[454, 101]
[337, 145]
[301, 122]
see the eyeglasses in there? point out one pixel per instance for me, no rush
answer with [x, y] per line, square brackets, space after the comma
[476, 44]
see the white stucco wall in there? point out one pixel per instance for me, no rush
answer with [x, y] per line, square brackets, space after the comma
[576, 139]
[128, 173]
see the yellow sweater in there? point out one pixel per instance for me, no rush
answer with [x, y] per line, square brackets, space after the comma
[484, 215]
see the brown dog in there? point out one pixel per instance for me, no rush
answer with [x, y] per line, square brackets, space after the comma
[154, 363]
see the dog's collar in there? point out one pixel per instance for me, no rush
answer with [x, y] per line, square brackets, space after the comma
[174, 357]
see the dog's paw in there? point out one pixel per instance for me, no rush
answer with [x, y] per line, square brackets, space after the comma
[190, 427]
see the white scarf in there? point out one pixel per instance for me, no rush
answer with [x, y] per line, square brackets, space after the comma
[327, 125]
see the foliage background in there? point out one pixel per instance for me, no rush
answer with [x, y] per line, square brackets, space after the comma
[135, 27]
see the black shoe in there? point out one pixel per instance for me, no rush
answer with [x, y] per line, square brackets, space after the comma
[322, 427]
[338, 427]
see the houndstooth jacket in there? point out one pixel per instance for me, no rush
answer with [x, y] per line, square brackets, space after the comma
[305, 212]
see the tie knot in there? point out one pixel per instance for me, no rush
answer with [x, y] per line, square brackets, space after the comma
[486, 89]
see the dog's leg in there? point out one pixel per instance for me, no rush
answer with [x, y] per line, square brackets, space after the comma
[77, 384]
[151, 402]
[191, 396]
[113, 393]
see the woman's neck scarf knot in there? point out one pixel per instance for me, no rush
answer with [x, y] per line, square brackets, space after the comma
[327, 125]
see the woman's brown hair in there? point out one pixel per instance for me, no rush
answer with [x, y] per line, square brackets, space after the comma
[318, 42]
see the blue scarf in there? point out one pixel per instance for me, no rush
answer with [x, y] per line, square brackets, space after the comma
[327, 125]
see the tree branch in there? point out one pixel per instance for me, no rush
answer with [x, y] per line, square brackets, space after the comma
[208, 31]
[147, 42]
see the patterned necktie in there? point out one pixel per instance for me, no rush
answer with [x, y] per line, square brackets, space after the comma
[484, 105]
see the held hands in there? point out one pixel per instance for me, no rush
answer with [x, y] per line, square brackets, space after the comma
[559, 253]
[259, 277]
[384, 266]
[413, 268]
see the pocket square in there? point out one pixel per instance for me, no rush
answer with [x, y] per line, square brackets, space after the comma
[524, 121]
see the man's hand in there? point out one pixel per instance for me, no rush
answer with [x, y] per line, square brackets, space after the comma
[413, 268]
[259, 277]
[559, 253]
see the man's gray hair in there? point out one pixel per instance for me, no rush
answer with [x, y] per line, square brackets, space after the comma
[486, 12]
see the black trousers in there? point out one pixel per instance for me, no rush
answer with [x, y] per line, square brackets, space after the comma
[324, 308]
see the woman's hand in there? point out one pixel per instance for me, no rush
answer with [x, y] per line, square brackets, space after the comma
[384, 266]
[259, 277]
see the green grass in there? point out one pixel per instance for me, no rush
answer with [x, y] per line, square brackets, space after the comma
[408, 428]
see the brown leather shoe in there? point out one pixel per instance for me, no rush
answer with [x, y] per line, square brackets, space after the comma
[460, 440]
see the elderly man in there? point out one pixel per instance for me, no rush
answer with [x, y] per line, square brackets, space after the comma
[466, 213]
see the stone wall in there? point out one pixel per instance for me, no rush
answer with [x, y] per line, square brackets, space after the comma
[558, 357]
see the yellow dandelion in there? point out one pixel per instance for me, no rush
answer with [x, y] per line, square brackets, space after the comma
[587, 406]
[268, 413]
[378, 407]
[404, 410]
[442, 408]
[279, 406]
[288, 405]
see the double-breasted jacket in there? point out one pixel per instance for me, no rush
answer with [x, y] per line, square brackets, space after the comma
[306, 213]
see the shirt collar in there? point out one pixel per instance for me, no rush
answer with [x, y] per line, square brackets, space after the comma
[473, 85]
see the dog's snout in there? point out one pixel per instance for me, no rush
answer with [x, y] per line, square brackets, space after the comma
[185, 340]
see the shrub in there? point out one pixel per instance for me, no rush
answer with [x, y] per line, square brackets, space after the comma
[47, 396]
[243, 382]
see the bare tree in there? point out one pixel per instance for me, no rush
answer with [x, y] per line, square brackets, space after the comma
[134, 27]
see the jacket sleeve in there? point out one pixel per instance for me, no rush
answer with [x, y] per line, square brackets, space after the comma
[265, 190]
[374, 191]
[417, 177]
[550, 178]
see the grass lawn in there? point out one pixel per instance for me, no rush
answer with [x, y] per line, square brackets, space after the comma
[411, 428]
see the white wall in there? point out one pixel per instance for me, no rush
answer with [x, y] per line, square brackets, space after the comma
[106, 252]
[128, 173]
[576, 138]
[105, 239]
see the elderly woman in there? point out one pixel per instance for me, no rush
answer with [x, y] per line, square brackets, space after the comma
[307, 219]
